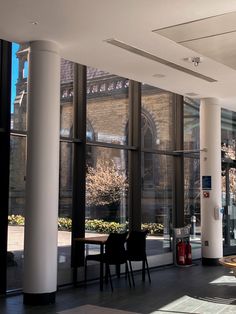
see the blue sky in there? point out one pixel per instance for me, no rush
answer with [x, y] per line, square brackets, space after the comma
[15, 62]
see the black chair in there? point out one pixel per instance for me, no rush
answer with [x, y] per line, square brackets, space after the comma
[115, 254]
[136, 251]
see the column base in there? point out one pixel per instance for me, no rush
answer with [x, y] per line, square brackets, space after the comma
[210, 261]
[39, 298]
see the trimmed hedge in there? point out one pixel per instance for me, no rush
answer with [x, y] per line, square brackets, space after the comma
[93, 225]
[102, 226]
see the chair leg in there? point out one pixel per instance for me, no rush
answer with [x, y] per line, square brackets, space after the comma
[85, 272]
[131, 271]
[109, 275]
[149, 277]
[118, 270]
[75, 276]
[143, 270]
[126, 271]
[128, 274]
[106, 273]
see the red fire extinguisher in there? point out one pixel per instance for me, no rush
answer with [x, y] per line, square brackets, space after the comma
[181, 253]
[188, 259]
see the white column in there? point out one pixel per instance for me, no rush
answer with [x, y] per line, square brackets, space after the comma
[42, 175]
[210, 167]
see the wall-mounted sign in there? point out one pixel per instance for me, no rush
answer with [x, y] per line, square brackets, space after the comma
[206, 182]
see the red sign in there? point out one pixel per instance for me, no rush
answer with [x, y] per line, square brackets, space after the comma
[206, 194]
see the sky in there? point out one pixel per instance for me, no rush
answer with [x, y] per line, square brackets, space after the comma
[15, 62]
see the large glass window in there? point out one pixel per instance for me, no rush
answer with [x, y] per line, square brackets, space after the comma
[191, 124]
[106, 166]
[107, 152]
[192, 165]
[107, 106]
[156, 169]
[157, 203]
[192, 191]
[106, 195]
[65, 214]
[67, 93]
[15, 247]
[18, 143]
[157, 118]
[106, 189]
[19, 86]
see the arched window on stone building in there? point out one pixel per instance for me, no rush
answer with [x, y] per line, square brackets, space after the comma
[149, 140]
[148, 129]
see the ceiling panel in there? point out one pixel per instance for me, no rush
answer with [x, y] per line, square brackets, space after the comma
[207, 27]
[220, 48]
[213, 37]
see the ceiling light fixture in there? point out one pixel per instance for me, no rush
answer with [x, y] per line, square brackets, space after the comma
[159, 75]
[191, 94]
[194, 60]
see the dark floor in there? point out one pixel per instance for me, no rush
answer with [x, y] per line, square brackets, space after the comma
[195, 289]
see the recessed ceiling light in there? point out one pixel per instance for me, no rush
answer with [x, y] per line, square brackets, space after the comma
[191, 94]
[34, 22]
[159, 75]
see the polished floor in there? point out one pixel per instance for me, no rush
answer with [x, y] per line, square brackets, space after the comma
[156, 246]
[194, 289]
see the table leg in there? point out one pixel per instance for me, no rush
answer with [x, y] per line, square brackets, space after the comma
[101, 266]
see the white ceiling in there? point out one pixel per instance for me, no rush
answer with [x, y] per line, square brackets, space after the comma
[214, 37]
[81, 28]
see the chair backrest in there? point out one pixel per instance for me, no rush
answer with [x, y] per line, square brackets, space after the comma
[136, 245]
[115, 248]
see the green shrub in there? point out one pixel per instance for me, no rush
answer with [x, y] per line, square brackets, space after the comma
[93, 225]
[64, 224]
[153, 228]
[102, 226]
[16, 220]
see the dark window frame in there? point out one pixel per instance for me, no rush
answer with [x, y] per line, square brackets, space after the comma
[5, 117]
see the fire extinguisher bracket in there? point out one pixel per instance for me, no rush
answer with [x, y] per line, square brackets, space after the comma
[182, 247]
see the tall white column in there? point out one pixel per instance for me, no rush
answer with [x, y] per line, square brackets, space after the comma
[42, 175]
[210, 170]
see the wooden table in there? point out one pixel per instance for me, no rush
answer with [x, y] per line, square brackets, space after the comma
[229, 262]
[97, 240]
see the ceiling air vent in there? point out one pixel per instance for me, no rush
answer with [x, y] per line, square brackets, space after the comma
[152, 57]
